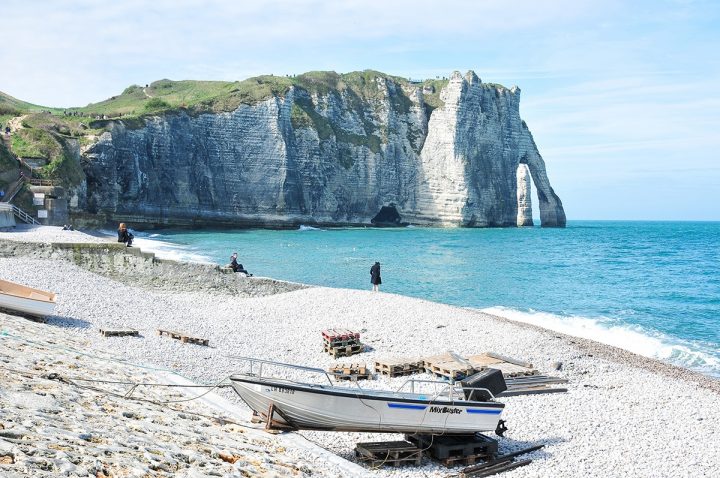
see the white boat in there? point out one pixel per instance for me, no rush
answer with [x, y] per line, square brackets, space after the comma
[19, 298]
[286, 403]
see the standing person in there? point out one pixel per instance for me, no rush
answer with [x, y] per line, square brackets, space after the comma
[124, 235]
[375, 279]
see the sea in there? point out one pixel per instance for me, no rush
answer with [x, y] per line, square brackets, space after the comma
[652, 288]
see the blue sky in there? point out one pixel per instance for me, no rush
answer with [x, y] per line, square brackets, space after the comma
[622, 97]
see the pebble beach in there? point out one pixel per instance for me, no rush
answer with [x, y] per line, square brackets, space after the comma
[623, 415]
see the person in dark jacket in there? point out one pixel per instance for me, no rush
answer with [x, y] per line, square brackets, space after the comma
[237, 267]
[124, 235]
[375, 279]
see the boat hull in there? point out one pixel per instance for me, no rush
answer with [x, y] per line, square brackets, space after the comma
[320, 407]
[26, 300]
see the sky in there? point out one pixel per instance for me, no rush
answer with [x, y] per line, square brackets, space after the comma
[622, 97]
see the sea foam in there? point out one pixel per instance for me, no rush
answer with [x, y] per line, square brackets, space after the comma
[168, 250]
[303, 227]
[633, 338]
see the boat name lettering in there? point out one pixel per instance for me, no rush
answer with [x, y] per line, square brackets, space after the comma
[280, 390]
[445, 410]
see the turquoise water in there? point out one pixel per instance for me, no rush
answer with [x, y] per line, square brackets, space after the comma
[649, 287]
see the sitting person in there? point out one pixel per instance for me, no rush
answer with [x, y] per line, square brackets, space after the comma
[237, 267]
[124, 235]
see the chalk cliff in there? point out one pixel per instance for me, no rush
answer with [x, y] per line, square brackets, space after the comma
[333, 155]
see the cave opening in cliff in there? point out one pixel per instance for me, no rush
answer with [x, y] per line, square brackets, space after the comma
[387, 216]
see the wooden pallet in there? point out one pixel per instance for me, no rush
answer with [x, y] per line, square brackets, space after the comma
[390, 453]
[345, 351]
[446, 367]
[398, 367]
[451, 450]
[510, 367]
[351, 371]
[341, 343]
[353, 377]
[119, 333]
[467, 460]
[184, 338]
[334, 335]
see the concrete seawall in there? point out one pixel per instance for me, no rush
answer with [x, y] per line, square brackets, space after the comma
[131, 265]
[7, 217]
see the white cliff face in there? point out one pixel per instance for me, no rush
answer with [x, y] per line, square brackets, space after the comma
[524, 189]
[471, 155]
[332, 157]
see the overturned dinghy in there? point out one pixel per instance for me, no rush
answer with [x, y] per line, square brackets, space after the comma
[286, 403]
[26, 300]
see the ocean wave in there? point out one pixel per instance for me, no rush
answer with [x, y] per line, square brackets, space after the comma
[303, 227]
[634, 338]
[168, 250]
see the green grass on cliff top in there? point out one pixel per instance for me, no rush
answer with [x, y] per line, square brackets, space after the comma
[10, 106]
[47, 132]
[220, 96]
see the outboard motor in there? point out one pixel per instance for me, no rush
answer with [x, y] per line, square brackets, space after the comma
[491, 379]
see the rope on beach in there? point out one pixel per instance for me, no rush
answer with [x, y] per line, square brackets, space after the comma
[55, 376]
[6, 335]
[135, 385]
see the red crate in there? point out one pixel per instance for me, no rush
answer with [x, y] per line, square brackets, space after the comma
[333, 335]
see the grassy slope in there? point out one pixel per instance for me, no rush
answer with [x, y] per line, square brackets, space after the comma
[14, 107]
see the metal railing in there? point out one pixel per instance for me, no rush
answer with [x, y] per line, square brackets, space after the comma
[449, 389]
[42, 182]
[13, 190]
[25, 217]
[257, 364]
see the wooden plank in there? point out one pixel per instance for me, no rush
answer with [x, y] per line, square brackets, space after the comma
[530, 391]
[509, 360]
[482, 360]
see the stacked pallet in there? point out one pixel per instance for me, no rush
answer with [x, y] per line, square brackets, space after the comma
[398, 366]
[451, 450]
[341, 342]
[350, 371]
[391, 453]
[446, 366]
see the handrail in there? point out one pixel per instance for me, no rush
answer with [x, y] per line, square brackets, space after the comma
[24, 216]
[453, 388]
[13, 190]
[253, 361]
[42, 182]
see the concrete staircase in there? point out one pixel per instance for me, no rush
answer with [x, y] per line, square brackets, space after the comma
[24, 217]
[18, 213]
